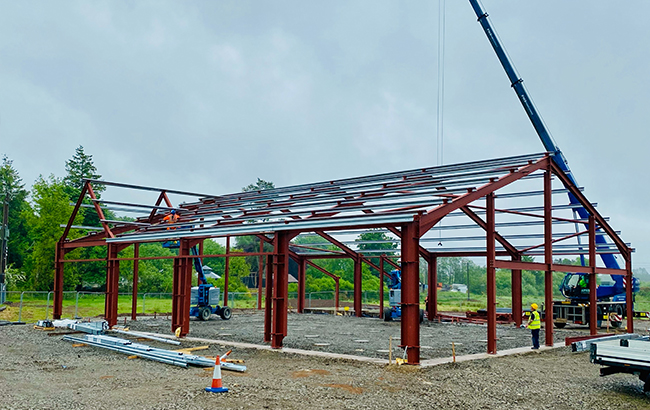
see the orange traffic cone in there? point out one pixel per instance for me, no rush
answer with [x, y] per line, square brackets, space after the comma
[216, 387]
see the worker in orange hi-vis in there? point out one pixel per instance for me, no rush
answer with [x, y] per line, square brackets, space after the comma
[172, 218]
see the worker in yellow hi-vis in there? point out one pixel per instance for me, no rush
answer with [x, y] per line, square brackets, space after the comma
[534, 323]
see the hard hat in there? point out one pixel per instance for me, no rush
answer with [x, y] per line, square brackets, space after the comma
[173, 212]
[534, 306]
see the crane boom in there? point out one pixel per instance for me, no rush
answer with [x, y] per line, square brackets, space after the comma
[518, 85]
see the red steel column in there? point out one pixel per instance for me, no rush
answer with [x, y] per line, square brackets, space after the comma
[628, 293]
[411, 291]
[381, 287]
[268, 298]
[136, 267]
[112, 283]
[491, 277]
[281, 280]
[515, 275]
[302, 271]
[548, 258]
[226, 274]
[593, 302]
[357, 287]
[58, 280]
[260, 277]
[432, 279]
[336, 295]
[182, 284]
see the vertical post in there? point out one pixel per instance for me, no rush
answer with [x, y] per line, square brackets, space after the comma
[548, 258]
[381, 287]
[268, 298]
[410, 304]
[281, 279]
[628, 292]
[336, 295]
[260, 277]
[226, 275]
[302, 271]
[593, 300]
[58, 280]
[182, 287]
[112, 283]
[4, 232]
[491, 277]
[515, 276]
[432, 279]
[136, 267]
[357, 287]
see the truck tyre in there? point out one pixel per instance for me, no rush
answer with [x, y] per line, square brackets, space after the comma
[225, 313]
[421, 315]
[388, 315]
[205, 313]
[619, 310]
[559, 325]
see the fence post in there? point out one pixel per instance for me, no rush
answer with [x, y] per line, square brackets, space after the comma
[76, 306]
[47, 306]
[310, 300]
[232, 297]
[20, 310]
[144, 299]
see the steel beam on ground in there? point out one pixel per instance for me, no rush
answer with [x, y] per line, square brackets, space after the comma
[410, 304]
[281, 279]
[593, 310]
[136, 269]
[491, 276]
[548, 257]
[515, 275]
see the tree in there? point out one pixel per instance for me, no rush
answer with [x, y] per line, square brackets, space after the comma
[373, 241]
[12, 186]
[51, 206]
[258, 186]
[79, 167]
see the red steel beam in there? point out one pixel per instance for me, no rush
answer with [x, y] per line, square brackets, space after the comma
[136, 269]
[548, 257]
[227, 273]
[99, 211]
[430, 219]
[259, 277]
[182, 283]
[268, 298]
[279, 324]
[59, 267]
[74, 212]
[515, 278]
[628, 293]
[357, 287]
[410, 304]
[593, 310]
[555, 240]
[302, 273]
[432, 274]
[622, 247]
[491, 277]
[112, 285]
[381, 287]
[479, 221]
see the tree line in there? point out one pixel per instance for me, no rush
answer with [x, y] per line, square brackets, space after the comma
[36, 214]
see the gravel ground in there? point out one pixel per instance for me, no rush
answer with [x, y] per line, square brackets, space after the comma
[38, 372]
[358, 336]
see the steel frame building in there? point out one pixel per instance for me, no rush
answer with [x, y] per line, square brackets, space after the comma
[410, 206]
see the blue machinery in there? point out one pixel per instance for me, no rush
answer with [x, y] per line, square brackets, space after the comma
[568, 287]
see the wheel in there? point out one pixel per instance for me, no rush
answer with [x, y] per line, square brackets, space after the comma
[225, 313]
[619, 310]
[421, 315]
[388, 315]
[205, 313]
[559, 325]
[616, 324]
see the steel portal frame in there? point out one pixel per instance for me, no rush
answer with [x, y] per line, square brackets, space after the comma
[406, 205]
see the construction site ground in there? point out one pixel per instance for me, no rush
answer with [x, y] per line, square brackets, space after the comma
[41, 371]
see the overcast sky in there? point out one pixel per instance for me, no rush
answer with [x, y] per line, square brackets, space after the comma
[207, 96]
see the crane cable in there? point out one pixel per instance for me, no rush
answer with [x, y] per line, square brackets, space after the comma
[441, 91]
